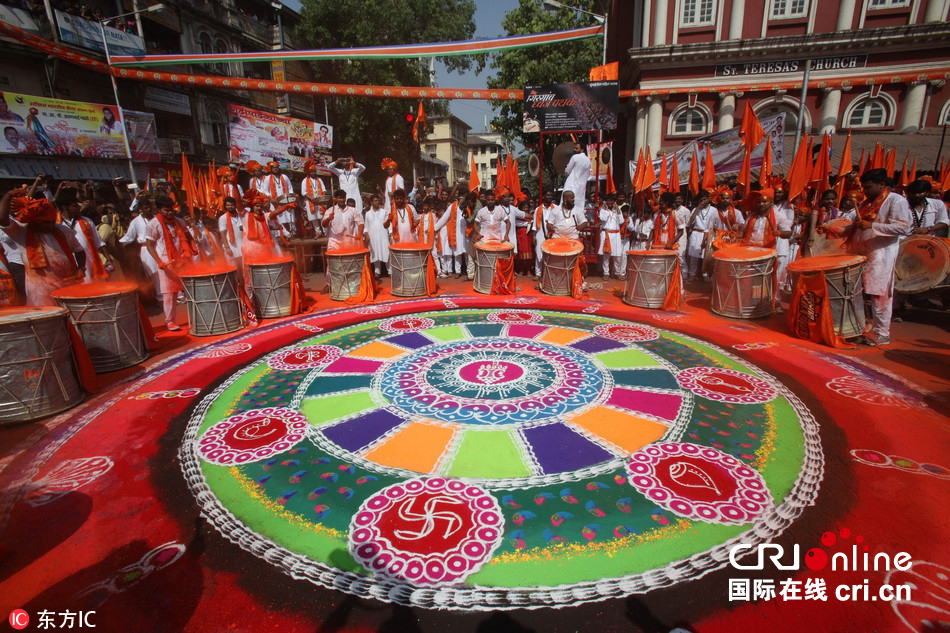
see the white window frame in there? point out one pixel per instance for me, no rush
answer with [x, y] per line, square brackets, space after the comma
[944, 114]
[788, 102]
[781, 10]
[886, 101]
[874, 5]
[699, 108]
[696, 21]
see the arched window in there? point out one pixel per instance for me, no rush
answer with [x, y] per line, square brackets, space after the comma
[204, 41]
[687, 121]
[788, 105]
[219, 128]
[868, 111]
[221, 47]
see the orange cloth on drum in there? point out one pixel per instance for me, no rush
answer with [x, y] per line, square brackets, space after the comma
[298, 294]
[453, 225]
[809, 314]
[673, 294]
[503, 282]
[8, 292]
[577, 277]
[428, 237]
[151, 342]
[431, 289]
[250, 315]
[368, 288]
[98, 270]
[87, 373]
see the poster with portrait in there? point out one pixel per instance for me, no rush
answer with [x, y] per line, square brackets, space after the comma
[55, 127]
[143, 138]
[262, 136]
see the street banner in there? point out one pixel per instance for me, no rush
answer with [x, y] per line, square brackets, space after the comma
[55, 127]
[78, 32]
[143, 137]
[264, 137]
[571, 107]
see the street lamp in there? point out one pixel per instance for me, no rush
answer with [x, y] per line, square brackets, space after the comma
[115, 87]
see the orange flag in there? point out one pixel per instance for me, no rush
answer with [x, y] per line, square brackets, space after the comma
[913, 171]
[664, 177]
[638, 173]
[821, 171]
[750, 130]
[516, 181]
[877, 158]
[611, 188]
[945, 182]
[649, 175]
[694, 174]
[905, 176]
[420, 120]
[745, 171]
[509, 174]
[765, 173]
[861, 164]
[890, 162]
[944, 171]
[801, 169]
[473, 181]
[844, 167]
[499, 174]
[709, 170]
[675, 174]
[188, 183]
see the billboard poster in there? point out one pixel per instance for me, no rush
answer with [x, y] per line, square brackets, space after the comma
[143, 136]
[262, 136]
[55, 127]
[79, 32]
[571, 107]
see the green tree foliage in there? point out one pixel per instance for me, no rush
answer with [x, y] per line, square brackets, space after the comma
[371, 128]
[552, 63]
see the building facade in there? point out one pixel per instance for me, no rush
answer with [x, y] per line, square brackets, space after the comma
[487, 148]
[448, 141]
[875, 67]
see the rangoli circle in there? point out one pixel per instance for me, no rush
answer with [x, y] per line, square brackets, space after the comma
[306, 357]
[521, 450]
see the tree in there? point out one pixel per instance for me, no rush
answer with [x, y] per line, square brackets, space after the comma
[372, 128]
[552, 63]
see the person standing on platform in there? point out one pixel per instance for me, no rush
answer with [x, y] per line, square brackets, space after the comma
[403, 222]
[701, 222]
[539, 226]
[611, 237]
[348, 172]
[344, 226]
[231, 230]
[568, 220]
[393, 183]
[86, 234]
[577, 174]
[492, 222]
[169, 242]
[276, 186]
[52, 256]
[312, 187]
[375, 219]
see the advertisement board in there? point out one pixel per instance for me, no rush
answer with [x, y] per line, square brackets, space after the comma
[262, 136]
[571, 107]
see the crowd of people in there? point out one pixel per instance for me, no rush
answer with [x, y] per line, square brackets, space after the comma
[84, 232]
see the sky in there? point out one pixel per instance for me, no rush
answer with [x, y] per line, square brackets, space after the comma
[488, 17]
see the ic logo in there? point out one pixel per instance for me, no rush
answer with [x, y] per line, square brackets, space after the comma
[19, 619]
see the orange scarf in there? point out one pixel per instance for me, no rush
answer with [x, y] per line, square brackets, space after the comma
[309, 181]
[98, 270]
[670, 231]
[394, 222]
[607, 232]
[453, 225]
[230, 227]
[539, 220]
[273, 185]
[257, 229]
[729, 219]
[770, 230]
[171, 250]
[869, 209]
[428, 236]
[36, 254]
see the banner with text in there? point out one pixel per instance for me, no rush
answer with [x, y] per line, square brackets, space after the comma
[143, 137]
[85, 33]
[264, 137]
[54, 127]
[571, 107]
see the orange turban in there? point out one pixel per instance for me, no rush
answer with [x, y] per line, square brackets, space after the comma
[252, 196]
[310, 164]
[224, 171]
[252, 165]
[755, 196]
[273, 163]
[388, 162]
[33, 211]
[719, 191]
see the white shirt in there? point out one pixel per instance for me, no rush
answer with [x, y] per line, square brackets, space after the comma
[311, 187]
[92, 250]
[237, 226]
[577, 173]
[492, 223]
[345, 228]
[566, 221]
[392, 183]
[350, 182]
[933, 212]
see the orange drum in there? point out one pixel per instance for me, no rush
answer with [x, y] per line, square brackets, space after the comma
[743, 282]
[345, 270]
[923, 263]
[845, 284]
[407, 266]
[649, 275]
[559, 256]
[106, 315]
[211, 295]
[271, 280]
[487, 254]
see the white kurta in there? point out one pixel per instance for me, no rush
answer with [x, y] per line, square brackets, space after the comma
[39, 284]
[459, 229]
[344, 228]
[237, 227]
[933, 212]
[136, 234]
[566, 222]
[403, 229]
[491, 223]
[277, 186]
[718, 224]
[378, 234]
[392, 183]
[350, 182]
[702, 223]
[611, 222]
[577, 173]
[91, 250]
[757, 236]
[640, 226]
[312, 188]
[880, 244]
[155, 234]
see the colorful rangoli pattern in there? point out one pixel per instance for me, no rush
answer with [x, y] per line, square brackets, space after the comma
[491, 454]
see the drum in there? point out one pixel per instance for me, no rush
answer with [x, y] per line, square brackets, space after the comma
[407, 265]
[38, 373]
[344, 271]
[743, 282]
[107, 317]
[923, 263]
[211, 295]
[287, 198]
[323, 201]
[649, 275]
[271, 282]
[487, 255]
[558, 256]
[845, 283]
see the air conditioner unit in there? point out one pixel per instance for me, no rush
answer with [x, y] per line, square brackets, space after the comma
[184, 146]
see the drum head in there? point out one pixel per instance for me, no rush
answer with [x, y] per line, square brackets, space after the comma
[29, 313]
[98, 289]
[654, 253]
[494, 246]
[744, 253]
[409, 246]
[825, 262]
[562, 246]
[272, 261]
[922, 263]
[348, 251]
[207, 271]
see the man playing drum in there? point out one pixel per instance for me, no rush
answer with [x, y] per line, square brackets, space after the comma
[611, 228]
[640, 227]
[539, 222]
[343, 224]
[277, 186]
[701, 222]
[375, 220]
[259, 241]
[667, 227]
[568, 220]
[169, 242]
[491, 222]
[231, 229]
[402, 223]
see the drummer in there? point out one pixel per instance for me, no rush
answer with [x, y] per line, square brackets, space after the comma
[567, 220]
[277, 186]
[375, 219]
[727, 218]
[668, 228]
[51, 254]
[929, 215]
[343, 224]
[86, 234]
[312, 187]
[491, 221]
[169, 242]
[231, 229]
[765, 226]
[611, 228]
[639, 227]
[539, 222]
[701, 222]
[259, 241]
[402, 222]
